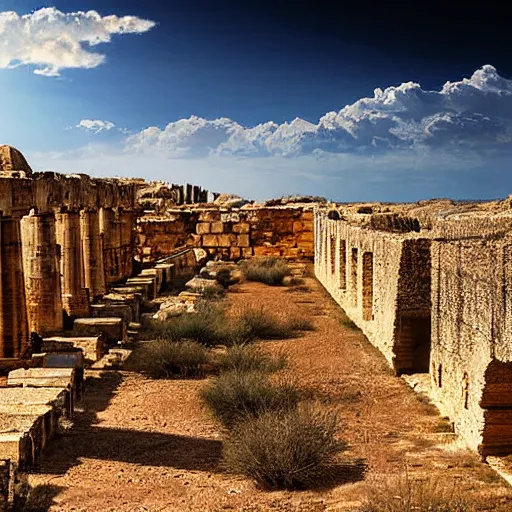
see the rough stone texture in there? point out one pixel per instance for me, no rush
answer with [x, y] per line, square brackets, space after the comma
[133, 300]
[92, 252]
[379, 280]
[93, 347]
[114, 329]
[42, 274]
[433, 293]
[158, 237]
[285, 231]
[75, 296]
[14, 336]
[110, 310]
[13, 163]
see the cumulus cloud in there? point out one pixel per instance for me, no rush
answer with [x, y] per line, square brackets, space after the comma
[474, 113]
[52, 40]
[95, 125]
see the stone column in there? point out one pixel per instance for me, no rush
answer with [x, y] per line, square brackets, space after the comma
[109, 229]
[196, 192]
[92, 252]
[126, 219]
[189, 194]
[42, 274]
[14, 337]
[75, 298]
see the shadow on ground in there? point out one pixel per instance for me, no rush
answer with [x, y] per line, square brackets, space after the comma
[86, 439]
[38, 499]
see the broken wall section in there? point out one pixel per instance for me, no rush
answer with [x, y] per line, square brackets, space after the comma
[229, 233]
[471, 337]
[382, 281]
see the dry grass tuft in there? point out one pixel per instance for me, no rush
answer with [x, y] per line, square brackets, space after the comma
[248, 358]
[259, 323]
[165, 359]
[235, 396]
[269, 270]
[285, 449]
[404, 494]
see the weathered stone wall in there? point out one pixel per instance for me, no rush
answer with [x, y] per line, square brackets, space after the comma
[229, 233]
[472, 338]
[379, 279]
[436, 301]
[159, 237]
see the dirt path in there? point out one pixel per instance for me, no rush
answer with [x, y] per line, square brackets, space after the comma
[141, 445]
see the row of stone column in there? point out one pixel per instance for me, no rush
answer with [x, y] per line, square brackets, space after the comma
[52, 264]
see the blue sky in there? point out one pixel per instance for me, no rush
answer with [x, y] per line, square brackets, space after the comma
[261, 100]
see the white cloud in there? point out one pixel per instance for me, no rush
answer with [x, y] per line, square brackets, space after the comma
[194, 136]
[52, 40]
[95, 125]
[473, 113]
[404, 143]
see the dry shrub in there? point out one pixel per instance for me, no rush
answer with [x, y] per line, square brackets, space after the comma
[300, 323]
[404, 494]
[213, 293]
[248, 358]
[259, 323]
[234, 396]
[207, 326]
[269, 270]
[290, 449]
[165, 359]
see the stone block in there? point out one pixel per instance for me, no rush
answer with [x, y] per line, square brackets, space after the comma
[154, 272]
[203, 228]
[110, 310]
[133, 300]
[210, 241]
[298, 227]
[16, 447]
[227, 240]
[267, 251]
[217, 227]
[247, 252]
[114, 329]
[147, 282]
[152, 278]
[209, 215]
[306, 237]
[26, 398]
[243, 227]
[235, 253]
[198, 284]
[93, 347]
[192, 240]
[243, 241]
[230, 217]
[168, 272]
[43, 378]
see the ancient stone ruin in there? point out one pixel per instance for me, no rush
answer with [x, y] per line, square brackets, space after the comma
[429, 284]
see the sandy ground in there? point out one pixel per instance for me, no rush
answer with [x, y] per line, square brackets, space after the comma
[142, 445]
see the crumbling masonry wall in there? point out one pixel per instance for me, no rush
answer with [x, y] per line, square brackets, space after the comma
[379, 279]
[285, 231]
[433, 298]
[471, 360]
